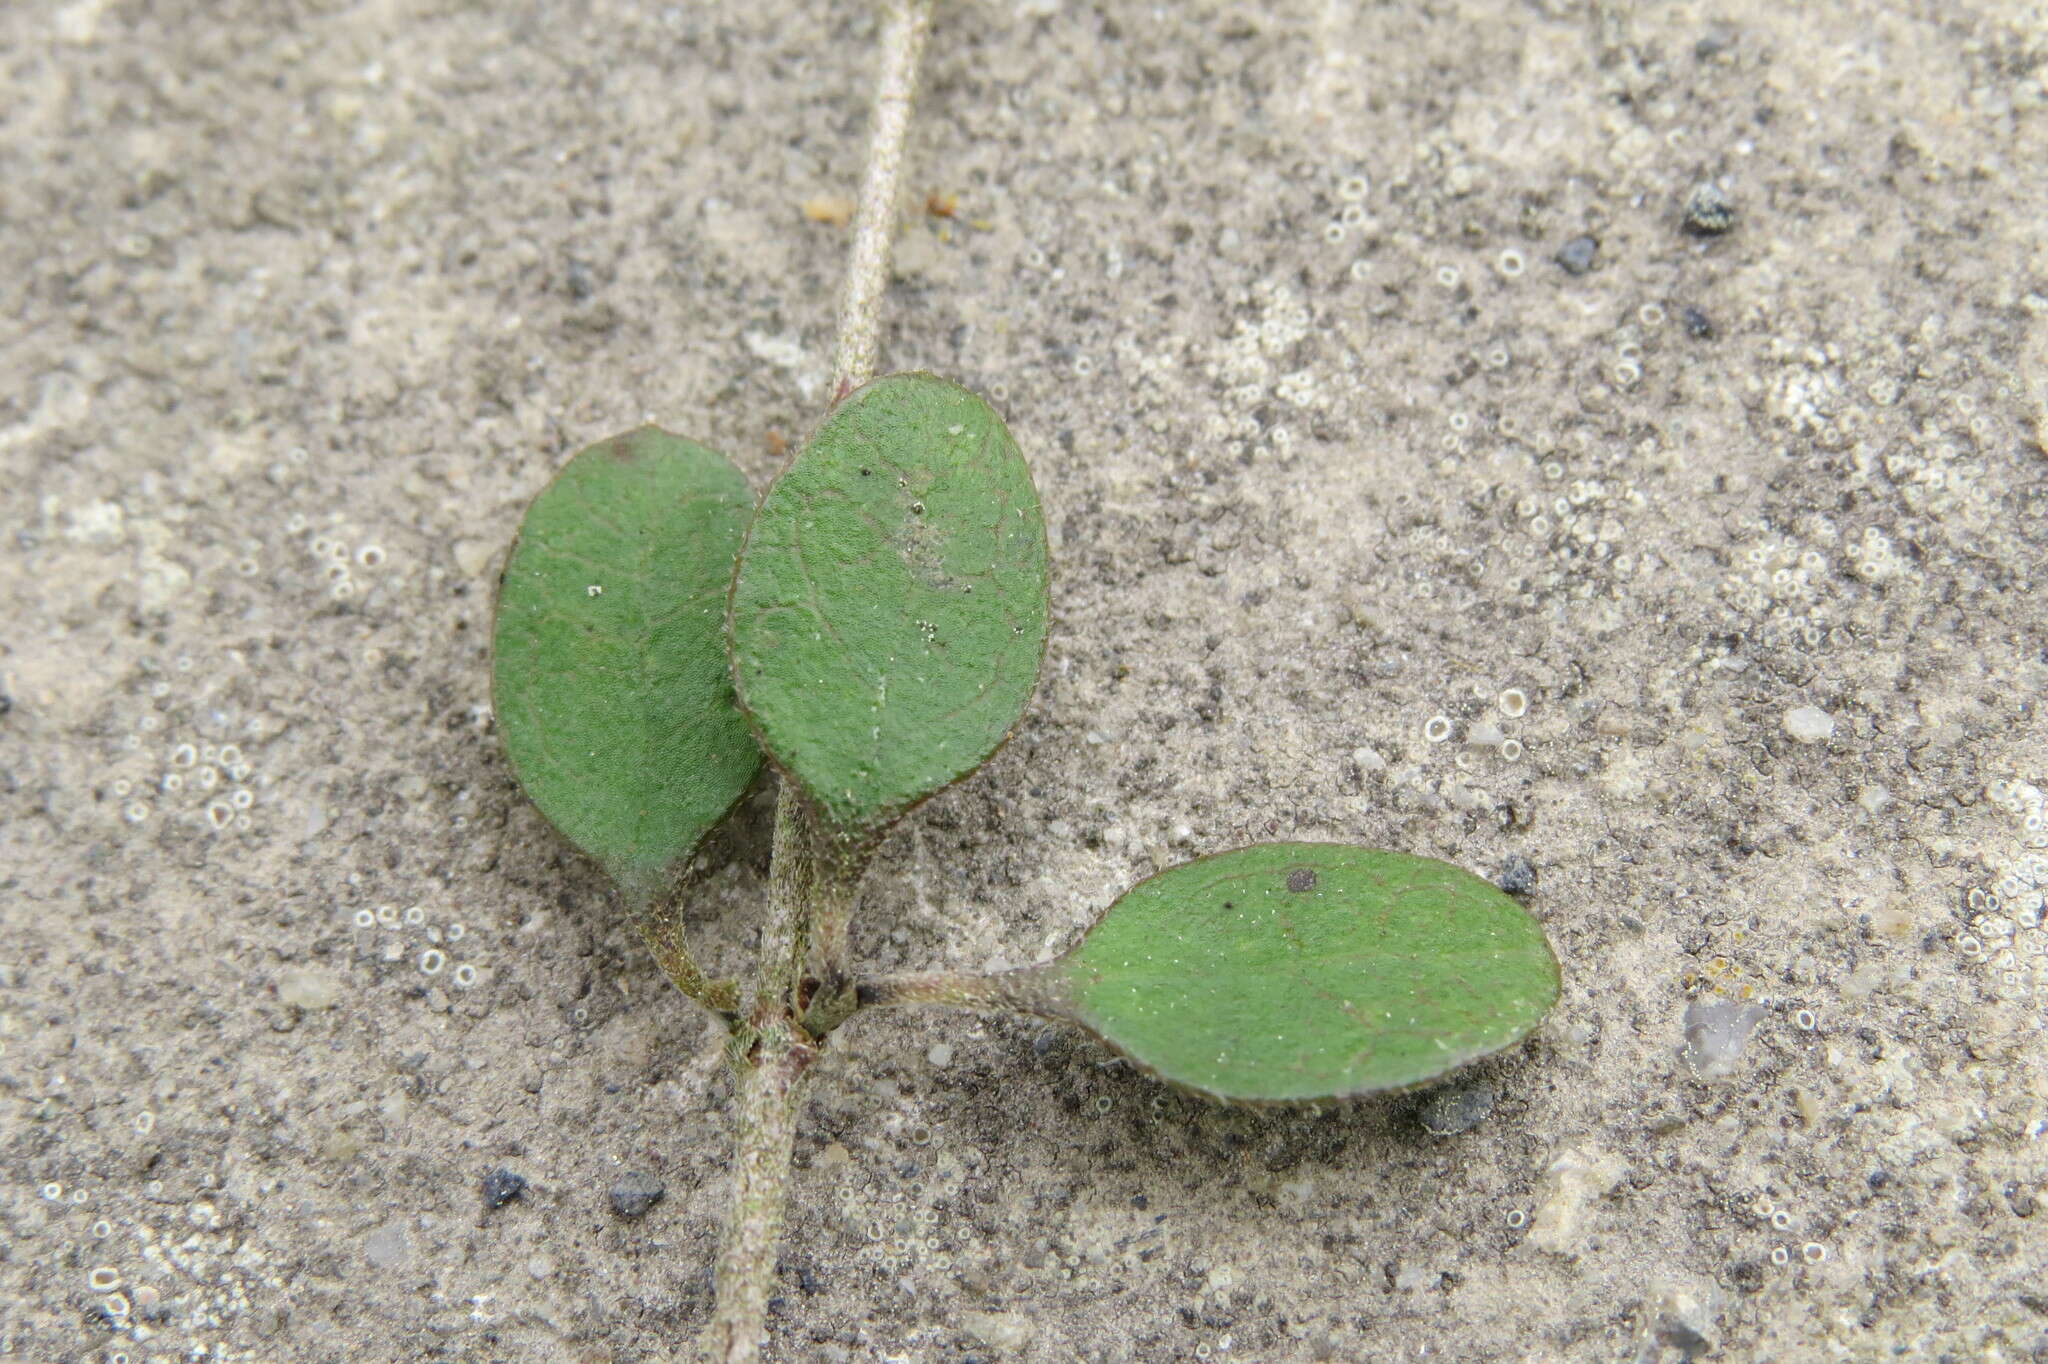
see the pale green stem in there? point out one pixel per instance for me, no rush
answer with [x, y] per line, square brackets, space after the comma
[661, 926]
[764, 1137]
[905, 29]
[808, 892]
[1024, 991]
[793, 873]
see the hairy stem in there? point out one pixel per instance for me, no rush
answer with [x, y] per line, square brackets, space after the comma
[808, 890]
[1022, 991]
[904, 31]
[661, 927]
[793, 874]
[764, 1137]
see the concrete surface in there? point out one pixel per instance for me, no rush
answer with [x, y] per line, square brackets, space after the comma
[305, 300]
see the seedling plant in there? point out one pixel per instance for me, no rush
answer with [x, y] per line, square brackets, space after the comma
[872, 630]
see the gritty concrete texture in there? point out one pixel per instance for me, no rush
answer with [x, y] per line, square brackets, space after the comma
[305, 300]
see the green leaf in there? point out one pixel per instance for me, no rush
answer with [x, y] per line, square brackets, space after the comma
[1306, 971]
[609, 671]
[889, 612]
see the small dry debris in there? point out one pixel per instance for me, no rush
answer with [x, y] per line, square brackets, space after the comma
[1577, 1178]
[834, 209]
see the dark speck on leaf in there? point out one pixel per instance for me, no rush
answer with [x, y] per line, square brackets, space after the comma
[501, 1187]
[1300, 879]
[1517, 875]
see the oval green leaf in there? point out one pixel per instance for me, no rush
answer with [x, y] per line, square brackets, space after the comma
[889, 612]
[609, 671]
[1296, 971]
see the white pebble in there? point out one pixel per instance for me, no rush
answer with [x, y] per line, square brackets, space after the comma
[307, 988]
[1810, 725]
[1484, 734]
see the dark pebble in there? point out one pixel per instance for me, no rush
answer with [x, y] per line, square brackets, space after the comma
[1578, 254]
[1517, 875]
[1456, 1108]
[1708, 210]
[501, 1187]
[1718, 39]
[581, 283]
[1697, 324]
[634, 1192]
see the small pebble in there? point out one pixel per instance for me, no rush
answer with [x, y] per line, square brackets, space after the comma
[1578, 254]
[1698, 325]
[1517, 875]
[1685, 1323]
[1708, 210]
[1810, 725]
[1717, 41]
[303, 987]
[634, 1192]
[1456, 1108]
[579, 279]
[1716, 1032]
[386, 1247]
[501, 1187]
[1000, 1330]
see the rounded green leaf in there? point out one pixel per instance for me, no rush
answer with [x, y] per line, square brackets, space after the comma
[889, 612]
[1291, 971]
[609, 672]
